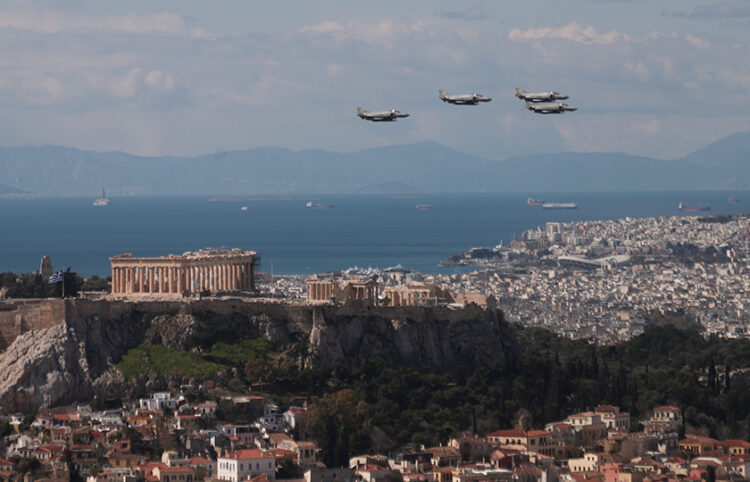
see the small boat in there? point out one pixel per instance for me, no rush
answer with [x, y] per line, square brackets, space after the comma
[733, 200]
[101, 201]
[534, 202]
[317, 205]
[424, 207]
[243, 208]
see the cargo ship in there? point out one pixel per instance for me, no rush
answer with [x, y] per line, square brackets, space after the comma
[733, 200]
[559, 206]
[424, 207]
[690, 209]
[534, 202]
[312, 205]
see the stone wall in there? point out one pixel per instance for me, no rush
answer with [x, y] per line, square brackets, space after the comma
[21, 316]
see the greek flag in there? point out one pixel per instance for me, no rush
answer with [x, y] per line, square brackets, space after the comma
[56, 278]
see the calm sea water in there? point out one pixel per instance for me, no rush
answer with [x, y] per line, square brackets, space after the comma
[361, 230]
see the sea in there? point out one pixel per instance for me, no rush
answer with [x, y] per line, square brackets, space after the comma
[363, 231]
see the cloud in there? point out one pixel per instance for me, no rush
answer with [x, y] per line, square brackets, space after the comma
[474, 12]
[49, 21]
[698, 42]
[571, 32]
[730, 10]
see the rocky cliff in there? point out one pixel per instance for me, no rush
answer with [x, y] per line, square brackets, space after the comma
[74, 359]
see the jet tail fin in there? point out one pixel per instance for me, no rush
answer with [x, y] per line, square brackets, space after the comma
[442, 93]
[361, 110]
[529, 105]
[519, 92]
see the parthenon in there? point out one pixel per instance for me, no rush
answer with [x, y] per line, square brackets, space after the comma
[192, 272]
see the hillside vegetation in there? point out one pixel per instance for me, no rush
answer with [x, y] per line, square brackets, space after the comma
[377, 405]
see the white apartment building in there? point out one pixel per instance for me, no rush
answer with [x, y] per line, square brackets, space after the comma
[244, 464]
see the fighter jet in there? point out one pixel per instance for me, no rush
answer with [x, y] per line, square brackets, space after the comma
[462, 99]
[549, 107]
[539, 96]
[382, 116]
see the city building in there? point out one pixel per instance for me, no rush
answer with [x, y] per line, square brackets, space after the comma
[244, 464]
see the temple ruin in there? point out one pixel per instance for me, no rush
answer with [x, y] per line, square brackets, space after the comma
[193, 272]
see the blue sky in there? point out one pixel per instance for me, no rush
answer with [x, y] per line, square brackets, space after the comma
[650, 77]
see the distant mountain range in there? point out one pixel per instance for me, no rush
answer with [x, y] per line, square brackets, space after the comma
[421, 167]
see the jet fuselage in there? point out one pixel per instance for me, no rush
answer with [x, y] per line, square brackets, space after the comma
[550, 96]
[381, 116]
[549, 107]
[463, 99]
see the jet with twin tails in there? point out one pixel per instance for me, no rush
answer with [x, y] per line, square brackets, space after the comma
[462, 99]
[382, 116]
[549, 107]
[550, 96]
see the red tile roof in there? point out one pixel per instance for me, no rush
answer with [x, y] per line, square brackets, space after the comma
[175, 470]
[246, 454]
[66, 417]
[735, 443]
[200, 460]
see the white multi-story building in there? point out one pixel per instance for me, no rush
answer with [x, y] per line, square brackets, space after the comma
[244, 464]
[613, 418]
[160, 401]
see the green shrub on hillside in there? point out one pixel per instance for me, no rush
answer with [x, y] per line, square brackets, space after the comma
[162, 361]
[242, 351]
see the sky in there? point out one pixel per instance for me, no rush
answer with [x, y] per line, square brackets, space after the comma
[657, 78]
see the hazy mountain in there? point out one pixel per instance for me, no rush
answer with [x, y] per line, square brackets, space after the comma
[421, 167]
[730, 156]
[393, 187]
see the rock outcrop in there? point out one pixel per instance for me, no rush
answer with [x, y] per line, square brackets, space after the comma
[75, 359]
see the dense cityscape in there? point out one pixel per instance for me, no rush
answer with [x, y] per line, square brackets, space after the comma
[600, 279]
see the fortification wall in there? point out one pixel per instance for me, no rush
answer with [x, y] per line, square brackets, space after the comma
[21, 316]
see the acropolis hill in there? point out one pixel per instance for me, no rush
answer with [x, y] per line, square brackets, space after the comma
[61, 351]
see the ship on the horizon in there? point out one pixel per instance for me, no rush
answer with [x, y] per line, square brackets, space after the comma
[733, 200]
[317, 205]
[424, 207]
[534, 202]
[559, 206]
[687, 208]
[101, 201]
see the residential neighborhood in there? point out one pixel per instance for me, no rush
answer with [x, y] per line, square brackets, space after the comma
[167, 438]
